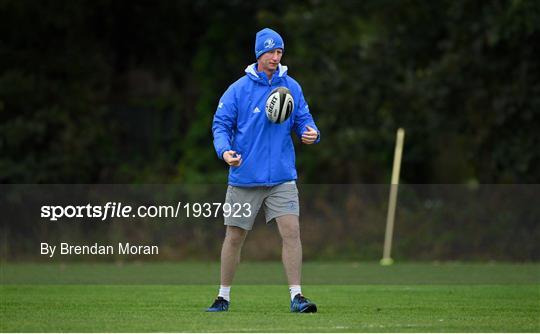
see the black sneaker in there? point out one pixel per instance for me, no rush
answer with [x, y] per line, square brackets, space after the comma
[219, 305]
[301, 304]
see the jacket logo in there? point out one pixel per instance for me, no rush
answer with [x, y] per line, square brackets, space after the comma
[269, 43]
[256, 110]
[220, 105]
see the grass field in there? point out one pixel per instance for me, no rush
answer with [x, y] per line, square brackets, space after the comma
[352, 297]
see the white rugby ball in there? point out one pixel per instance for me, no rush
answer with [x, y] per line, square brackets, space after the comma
[279, 105]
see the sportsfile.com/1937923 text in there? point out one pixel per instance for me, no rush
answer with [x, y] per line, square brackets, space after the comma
[115, 210]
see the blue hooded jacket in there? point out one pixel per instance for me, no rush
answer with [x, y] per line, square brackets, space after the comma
[240, 124]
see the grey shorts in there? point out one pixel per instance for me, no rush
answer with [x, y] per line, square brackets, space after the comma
[278, 200]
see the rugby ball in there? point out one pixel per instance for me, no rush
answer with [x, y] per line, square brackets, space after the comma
[279, 105]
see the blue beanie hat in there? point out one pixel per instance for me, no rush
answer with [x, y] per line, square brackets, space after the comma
[267, 40]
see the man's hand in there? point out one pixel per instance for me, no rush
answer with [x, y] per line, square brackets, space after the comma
[232, 159]
[309, 136]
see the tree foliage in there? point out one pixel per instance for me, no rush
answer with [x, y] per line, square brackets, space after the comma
[124, 91]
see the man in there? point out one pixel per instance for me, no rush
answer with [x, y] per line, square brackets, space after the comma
[262, 164]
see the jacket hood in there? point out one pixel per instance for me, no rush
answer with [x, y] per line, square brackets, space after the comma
[251, 72]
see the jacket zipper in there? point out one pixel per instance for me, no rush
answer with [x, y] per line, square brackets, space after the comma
[269, 144]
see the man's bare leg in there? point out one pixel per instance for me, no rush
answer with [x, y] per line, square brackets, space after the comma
[289, 229]
[230, 253]
[230, 257]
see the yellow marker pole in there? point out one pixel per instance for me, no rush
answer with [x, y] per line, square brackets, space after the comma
[387, 260]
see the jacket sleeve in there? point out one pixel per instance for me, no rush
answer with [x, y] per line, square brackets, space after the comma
[302, 118]
[224, 124]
